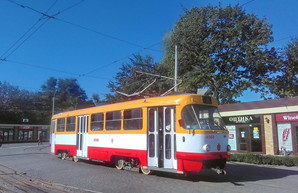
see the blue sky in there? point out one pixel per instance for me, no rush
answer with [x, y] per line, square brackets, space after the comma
[91, 40]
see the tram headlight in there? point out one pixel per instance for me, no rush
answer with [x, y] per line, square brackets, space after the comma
[206, 147]
[228, 147]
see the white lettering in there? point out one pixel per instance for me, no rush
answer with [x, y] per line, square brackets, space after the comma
[290, 118]
[242, 119]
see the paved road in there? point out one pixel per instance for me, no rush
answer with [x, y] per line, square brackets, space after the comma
[35, 167]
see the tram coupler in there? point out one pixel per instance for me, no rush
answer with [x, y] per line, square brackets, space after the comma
[219, 171]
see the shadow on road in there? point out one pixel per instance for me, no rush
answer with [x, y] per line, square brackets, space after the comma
[237, 173]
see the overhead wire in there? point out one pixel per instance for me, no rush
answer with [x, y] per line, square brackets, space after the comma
[52, 69]
[45, 16]
[116, 61]
[2, 58]
[247, 3]
[48, 17]
[80, 26]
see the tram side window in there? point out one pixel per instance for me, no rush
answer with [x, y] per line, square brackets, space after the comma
[61, 125]
[97, 122]
[133, 119]
[70, 123]
[113, 120]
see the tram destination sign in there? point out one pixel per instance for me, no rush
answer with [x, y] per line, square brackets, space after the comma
[241, 119]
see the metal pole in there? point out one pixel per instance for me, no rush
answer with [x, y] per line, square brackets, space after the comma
[176, 69]
[53, 104]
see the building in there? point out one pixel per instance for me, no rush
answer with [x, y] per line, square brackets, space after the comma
[10, 133]
[267, 127]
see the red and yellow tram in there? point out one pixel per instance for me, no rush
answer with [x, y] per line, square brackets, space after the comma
[179, 133]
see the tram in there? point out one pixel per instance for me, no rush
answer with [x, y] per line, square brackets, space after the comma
[177, 133]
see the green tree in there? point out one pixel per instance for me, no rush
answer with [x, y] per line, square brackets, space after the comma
[285, 83]
[67, 93]
[129, 81]
[220, 48]
[17, 104]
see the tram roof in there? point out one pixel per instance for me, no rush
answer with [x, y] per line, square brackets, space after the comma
[145, 102]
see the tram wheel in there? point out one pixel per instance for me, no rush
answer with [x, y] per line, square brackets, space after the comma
[119, 164]
[75, 159]
[63, 156]
[145, 170]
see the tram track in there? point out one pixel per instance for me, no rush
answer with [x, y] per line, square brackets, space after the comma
[19, 182]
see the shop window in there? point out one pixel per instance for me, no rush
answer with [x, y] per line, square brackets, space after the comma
[25, 135]
[133, 119]
[113, 120]
[97, 122]
[70, 123]
[61, 125]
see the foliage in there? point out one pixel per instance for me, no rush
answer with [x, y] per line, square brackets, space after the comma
[285, 84]
[221, 48]
[67, 93]
[128, 80]
[17, 104]
[264, 159]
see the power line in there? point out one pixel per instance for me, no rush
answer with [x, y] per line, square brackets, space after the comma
[27, 31]
[52, 69]
[19, 39]
[80, 26]
[247, 3]
[44, 15]
[116, 61]
[101, 34]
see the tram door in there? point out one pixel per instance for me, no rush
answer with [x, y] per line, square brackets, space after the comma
[161, 137]
[82, 136]
[53, 137]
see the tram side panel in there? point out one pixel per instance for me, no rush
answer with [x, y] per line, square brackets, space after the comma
[65, 143]
[104, 146]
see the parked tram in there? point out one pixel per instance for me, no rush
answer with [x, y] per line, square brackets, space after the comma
[178, 133]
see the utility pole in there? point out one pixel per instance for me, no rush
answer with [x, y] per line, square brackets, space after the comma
[176, 69]
[53, 105]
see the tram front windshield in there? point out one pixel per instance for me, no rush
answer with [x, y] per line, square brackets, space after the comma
[202, 118]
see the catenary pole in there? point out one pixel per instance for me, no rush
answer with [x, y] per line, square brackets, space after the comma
[176, 69]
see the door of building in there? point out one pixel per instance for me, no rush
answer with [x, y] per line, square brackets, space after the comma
[250, 139]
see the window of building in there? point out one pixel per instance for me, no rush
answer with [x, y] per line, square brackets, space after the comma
[61, 125]
[133, 119]
[113, 120]
[70, 123]
[97, 122]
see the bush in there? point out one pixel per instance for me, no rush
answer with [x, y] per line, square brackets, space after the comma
[264, 159]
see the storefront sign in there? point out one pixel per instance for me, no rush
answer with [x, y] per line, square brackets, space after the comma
[284, 137]
[286, 117]
[232, 137]
[245, 119]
